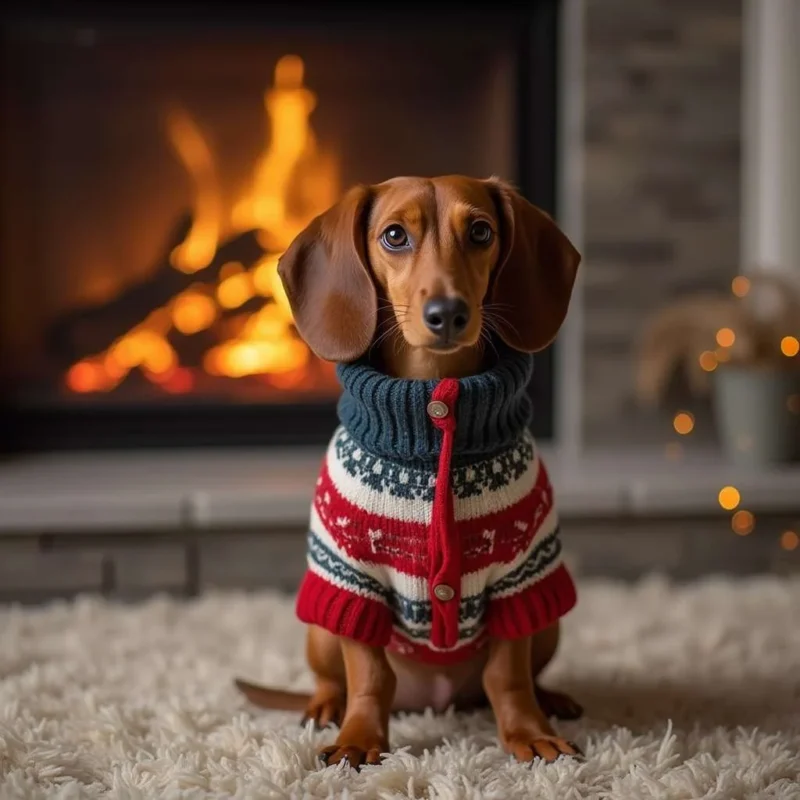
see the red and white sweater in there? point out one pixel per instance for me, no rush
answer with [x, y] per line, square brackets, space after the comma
[433, 525]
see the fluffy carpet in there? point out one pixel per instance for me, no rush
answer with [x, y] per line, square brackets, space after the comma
[690, 692]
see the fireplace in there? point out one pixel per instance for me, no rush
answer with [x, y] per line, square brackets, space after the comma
[156, 164]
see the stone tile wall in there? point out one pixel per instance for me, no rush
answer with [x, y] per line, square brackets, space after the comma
[133, 566]
[662, 136]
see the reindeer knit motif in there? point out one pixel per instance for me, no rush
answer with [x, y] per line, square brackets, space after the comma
[433, 524]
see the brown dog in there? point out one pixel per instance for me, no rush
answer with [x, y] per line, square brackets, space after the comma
[419, 277]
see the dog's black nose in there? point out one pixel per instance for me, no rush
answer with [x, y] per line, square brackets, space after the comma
[447, 317]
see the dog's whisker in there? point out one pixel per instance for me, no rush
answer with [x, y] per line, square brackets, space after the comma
[486, 331]
[393, 306]
[497, 306]
[384, 336]
[393, 329]
[396, 319]
[499, 324]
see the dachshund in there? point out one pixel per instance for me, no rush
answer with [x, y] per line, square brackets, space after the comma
[428, 281]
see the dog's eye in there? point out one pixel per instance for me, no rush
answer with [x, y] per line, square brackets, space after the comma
[480, 232]
[394, 238]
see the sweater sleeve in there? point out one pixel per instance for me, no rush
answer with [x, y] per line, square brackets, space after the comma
[533, 590]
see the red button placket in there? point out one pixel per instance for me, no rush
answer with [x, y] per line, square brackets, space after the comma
[444, 546]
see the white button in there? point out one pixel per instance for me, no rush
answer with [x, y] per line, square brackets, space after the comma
[437, 409]
[444, 592]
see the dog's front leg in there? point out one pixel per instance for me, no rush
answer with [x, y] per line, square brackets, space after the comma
[371, 685]
[523, 728]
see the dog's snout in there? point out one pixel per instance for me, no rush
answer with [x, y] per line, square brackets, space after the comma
[446, 317]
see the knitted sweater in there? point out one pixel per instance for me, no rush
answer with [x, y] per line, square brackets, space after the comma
[433, 525]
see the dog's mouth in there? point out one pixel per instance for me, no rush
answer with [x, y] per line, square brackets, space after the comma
[445, 348]
[442, 345]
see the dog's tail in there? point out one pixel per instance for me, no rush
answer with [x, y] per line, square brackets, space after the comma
[274, 699]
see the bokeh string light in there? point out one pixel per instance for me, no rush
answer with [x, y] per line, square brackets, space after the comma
[790, 346]
[743, 522]
[725, 337]
[708, 361]
[740, 286]
[729, 497]
[790, 540]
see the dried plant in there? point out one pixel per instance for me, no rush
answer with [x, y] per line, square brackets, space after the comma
[702, 332]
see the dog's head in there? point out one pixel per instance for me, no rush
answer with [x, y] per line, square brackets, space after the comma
[452, 255]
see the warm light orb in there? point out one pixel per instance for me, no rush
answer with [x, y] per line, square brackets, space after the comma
[683, 423]
[725, 337]
[790, 346]
[743, 522]
[729, 497]
[707, 361]
[740, 286]
[790, 540]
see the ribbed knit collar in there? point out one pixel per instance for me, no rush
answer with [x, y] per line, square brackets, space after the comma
[388, 417]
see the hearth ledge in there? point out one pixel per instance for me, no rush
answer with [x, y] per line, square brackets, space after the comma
[106, 492]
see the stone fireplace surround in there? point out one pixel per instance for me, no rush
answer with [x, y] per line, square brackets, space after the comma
[128, 524]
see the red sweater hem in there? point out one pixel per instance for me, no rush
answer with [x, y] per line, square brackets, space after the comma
[534, 608]
[343, 612]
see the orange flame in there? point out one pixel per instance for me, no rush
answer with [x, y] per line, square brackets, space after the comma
[266, 207]
[293, 181]
[197, 250]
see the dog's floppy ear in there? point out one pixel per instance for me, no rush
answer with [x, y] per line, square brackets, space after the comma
[328, 283]
[535, 273]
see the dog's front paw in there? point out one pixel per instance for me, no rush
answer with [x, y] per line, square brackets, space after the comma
[526, 747]
[355, 754]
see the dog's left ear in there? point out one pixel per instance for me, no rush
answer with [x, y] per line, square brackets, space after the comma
[535, 272]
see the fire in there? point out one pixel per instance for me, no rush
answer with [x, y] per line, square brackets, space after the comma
[193, 311]
[292, 182]
[266, 207]
[198, 249]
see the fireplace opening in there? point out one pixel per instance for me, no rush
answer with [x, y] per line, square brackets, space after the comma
[156, 167]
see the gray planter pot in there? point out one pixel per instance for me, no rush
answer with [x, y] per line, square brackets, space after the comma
[756, 422]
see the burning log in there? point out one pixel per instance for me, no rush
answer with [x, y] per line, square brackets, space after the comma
[92, 329]
[192, 347]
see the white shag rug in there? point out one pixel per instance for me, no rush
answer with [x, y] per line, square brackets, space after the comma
[691, 692]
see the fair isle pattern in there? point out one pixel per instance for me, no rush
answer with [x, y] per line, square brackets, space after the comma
[413, 483]
[368, 481]
[369, 540]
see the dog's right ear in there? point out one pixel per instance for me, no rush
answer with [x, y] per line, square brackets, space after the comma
[328, 282]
